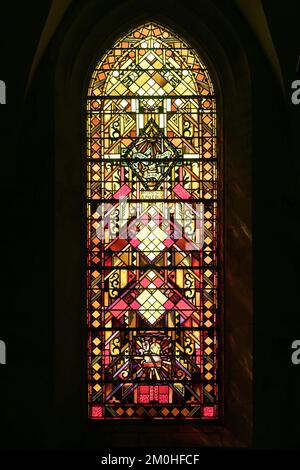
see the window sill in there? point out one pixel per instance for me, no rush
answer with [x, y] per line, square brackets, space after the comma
[142, 435]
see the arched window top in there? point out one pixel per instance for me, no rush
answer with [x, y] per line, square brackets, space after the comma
[151, 60]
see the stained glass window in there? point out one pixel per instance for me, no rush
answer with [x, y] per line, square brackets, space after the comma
[152, 268]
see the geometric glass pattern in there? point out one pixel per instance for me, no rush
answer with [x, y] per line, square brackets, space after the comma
[152, 211]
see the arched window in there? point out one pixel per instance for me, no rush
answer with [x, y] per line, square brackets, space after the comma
[152, 213]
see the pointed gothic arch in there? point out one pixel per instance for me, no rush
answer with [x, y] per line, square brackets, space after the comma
[88, 38]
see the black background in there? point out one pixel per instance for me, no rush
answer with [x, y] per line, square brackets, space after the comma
[26, 236]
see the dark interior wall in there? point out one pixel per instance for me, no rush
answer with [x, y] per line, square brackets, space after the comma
[31, 380]
[277, 380]
[25, 312]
